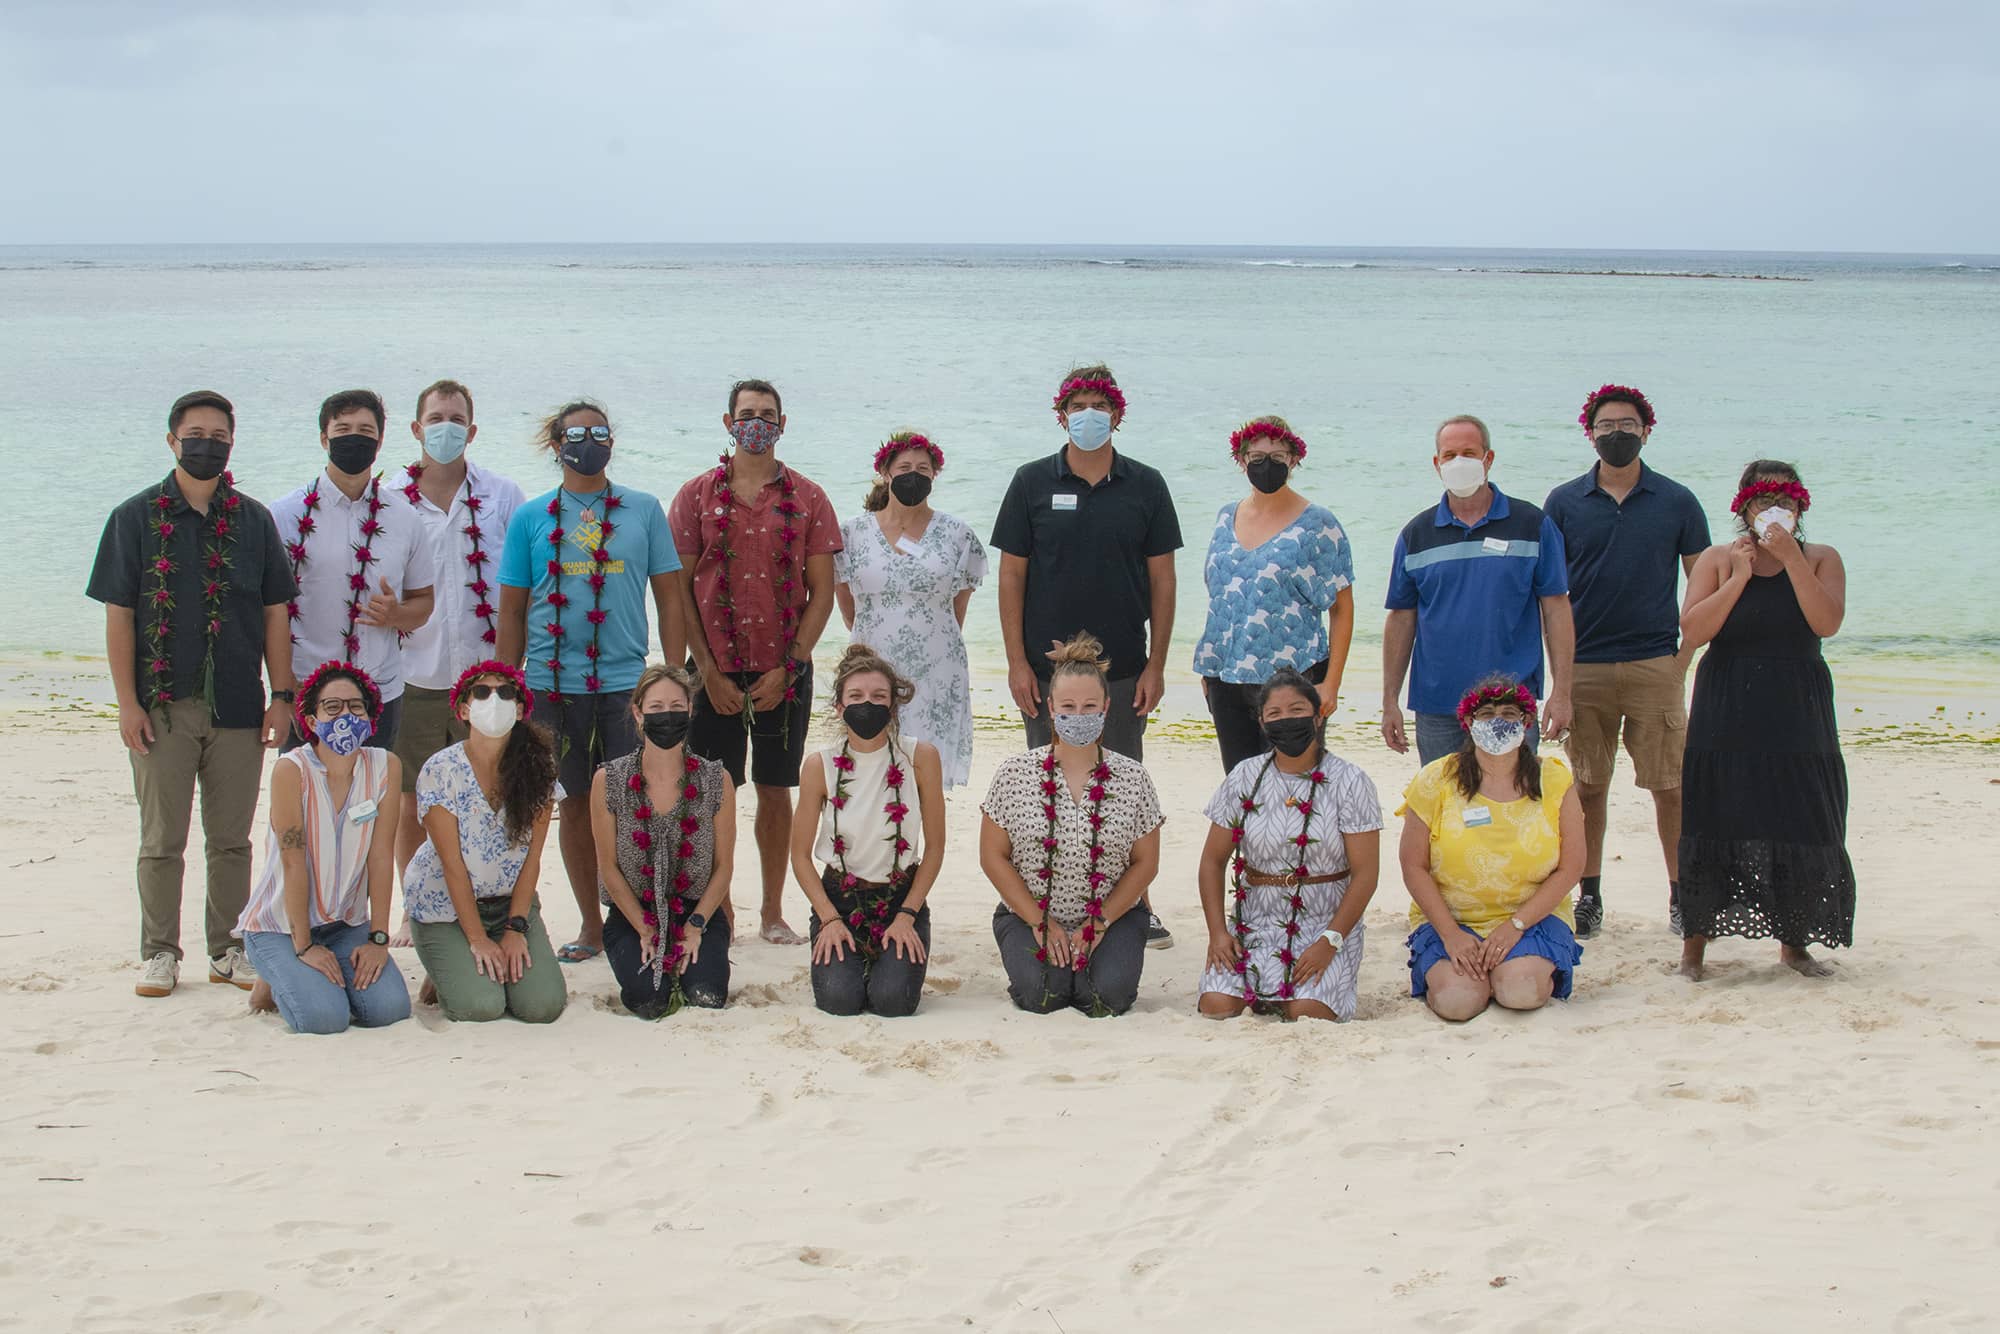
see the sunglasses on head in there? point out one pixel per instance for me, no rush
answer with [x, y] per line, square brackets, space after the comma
[505, 691]
[575, 434]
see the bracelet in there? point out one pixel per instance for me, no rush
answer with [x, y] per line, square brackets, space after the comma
[906, 908]
[310, 946]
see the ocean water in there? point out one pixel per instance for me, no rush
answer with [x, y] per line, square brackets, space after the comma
[1875, 374]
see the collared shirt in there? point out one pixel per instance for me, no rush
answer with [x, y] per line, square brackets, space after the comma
[256, 576]
[1015, 801]
[1087, 548]
[757, 587]
[639, 548]
[1477, 592]
[399, 553]
[456, 636]
[1625, 562]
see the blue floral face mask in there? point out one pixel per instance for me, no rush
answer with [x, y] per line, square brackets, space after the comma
[1498, 736]
[343, 735]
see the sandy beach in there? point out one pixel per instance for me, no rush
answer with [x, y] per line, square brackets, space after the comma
[1757, 1152]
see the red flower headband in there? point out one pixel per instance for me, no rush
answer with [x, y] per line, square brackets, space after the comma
[1771, 486]
[1265, 431]
[1646, 414]
[493, 667]
[1104, 387]
[892, 447]
[369, 692]
[1480, 696]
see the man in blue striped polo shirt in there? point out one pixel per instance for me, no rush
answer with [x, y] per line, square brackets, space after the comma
[1475, 587]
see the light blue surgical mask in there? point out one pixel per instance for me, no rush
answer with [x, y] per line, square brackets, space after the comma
[1079, 729]
[1089, 428]
[444, 441]
[1498, 736]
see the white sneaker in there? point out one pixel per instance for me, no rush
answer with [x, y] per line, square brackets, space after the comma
[163, 970]
[233, 967]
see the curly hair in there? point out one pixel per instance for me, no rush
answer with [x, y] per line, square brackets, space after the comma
[860, 660]
[528, 760]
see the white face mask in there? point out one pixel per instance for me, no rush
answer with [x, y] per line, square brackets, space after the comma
[493, 716]
[1498, 736]
[1462, 475]
[1776, 514]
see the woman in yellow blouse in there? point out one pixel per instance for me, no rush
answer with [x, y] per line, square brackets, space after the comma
[1492, 846]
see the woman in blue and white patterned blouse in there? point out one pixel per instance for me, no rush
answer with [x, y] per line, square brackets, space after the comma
[1280, 581]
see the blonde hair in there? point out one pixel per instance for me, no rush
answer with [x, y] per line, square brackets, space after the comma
[877, 499]
[657, 672]
[860, 660]
[1083, 655]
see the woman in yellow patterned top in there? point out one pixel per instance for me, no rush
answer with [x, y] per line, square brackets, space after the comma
[1492, 846]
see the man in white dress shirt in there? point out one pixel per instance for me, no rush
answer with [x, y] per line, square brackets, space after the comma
[360, 556]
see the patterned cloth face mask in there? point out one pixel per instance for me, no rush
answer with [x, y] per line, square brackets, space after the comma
[755, 436]
[1078, 729]
[1498, 736]
[345, 734]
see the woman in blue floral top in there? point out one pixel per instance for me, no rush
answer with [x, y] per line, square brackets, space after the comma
[1280, 581]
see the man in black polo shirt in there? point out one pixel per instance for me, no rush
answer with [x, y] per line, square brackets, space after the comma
[195, 583]
[1630, 534]
[1087, 540]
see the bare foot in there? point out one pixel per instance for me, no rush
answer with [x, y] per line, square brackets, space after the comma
[427, 994]
[1692, 950]
[1803, 963]
[402, 940]
[260, 998]
[778, 933]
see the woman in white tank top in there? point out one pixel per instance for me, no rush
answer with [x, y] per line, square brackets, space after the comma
[867, 846]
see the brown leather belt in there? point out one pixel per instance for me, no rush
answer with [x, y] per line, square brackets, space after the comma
[1290, 880]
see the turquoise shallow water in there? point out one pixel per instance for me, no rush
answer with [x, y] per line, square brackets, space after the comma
[1875, 375]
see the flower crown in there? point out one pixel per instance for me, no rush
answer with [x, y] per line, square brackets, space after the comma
[1480, 696]
[1771, 486]
[493, 667]
[1078, 386]
[1249, 431]
[369, 692]
[894, 446]
[1646, 413]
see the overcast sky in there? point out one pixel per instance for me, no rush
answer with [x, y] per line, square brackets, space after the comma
[1756, 124]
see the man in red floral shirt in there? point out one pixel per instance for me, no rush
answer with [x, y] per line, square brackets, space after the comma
[758, 540]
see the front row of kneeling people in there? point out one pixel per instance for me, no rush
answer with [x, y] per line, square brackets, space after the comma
[1069, 838]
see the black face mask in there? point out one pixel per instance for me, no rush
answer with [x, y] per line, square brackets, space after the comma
[1293, 737]
[667, 729]
[204, 459]
[866, 720]
[589, 457]
[911, 488]
[1268, 475]
[352, 454]
[1619, 448]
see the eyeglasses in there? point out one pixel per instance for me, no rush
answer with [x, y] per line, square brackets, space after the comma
[1631, 424]
[333, 708]
[505, 691]
[575, 434]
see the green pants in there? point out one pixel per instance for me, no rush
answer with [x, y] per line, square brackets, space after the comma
[467, 995]
[227, 764]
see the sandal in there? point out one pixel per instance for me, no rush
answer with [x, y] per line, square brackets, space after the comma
[578, 952]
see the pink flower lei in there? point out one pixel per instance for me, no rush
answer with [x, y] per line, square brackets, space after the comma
[1475, 700]
[1620, 391]
[1253, 989]
[475, 559]
[869, 917]
[670, 950]
[788, 578]
[1241, 438]
[1104, 387]
[218, 536]
[1771, 486]
[364, 556]
[557, 600]
[1093, 908]
[892, 447]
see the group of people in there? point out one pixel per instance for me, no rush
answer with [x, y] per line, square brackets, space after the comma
[479, 665]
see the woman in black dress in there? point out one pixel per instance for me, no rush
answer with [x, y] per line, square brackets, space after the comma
[1764, 790]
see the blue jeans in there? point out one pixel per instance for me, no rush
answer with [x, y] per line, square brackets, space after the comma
[1439, 735]
[310, 1003]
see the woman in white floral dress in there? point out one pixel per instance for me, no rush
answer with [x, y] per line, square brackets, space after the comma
[904, 578]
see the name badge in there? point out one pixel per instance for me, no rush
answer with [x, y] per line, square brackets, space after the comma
[362, 813]
[1495, 545]
[1063, 500]
[907, 547]
[1476, 816]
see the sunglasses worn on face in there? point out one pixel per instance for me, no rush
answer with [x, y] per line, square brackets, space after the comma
[505, 691]
[575, 434]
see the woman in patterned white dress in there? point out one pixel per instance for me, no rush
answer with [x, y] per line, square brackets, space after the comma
[1296, 832]
[904, 578]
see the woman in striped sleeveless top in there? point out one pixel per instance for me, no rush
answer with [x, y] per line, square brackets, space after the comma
[866, 807]
[317, 924]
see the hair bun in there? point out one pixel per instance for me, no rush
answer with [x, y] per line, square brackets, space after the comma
[1082, 650]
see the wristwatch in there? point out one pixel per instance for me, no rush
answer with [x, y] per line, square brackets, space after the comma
[285, 696]
[1517, 924]
[378, 937]
[795, 667]
[1333, 938]
[517, 924]
[697, 922]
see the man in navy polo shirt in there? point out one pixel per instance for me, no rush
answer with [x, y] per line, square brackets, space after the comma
[1475, 587]
[1630, 534]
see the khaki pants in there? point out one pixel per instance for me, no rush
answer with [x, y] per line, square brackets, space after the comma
[228, 764]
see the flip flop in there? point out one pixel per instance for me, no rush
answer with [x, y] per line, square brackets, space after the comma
[578, 952]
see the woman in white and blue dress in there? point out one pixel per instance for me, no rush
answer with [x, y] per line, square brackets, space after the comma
[904, 576]
[1280, 581]
[1293, 852]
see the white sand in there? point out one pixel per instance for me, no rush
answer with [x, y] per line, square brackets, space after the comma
[1758, 1152]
